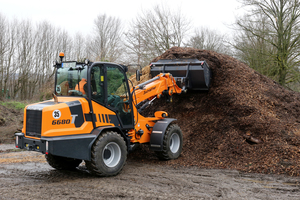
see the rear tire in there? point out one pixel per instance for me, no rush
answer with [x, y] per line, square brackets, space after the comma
[109, 154]
[62, 163]
[172, 143]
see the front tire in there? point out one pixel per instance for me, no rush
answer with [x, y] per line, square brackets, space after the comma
[62, 163]
[172, 143]
[109, 154]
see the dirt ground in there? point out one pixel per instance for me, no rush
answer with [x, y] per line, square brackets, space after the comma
[26, 175]
[11, 121]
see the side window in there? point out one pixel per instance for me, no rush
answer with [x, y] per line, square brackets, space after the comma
[115, 81]
[117, 94]
[116, 86]
[97, 84]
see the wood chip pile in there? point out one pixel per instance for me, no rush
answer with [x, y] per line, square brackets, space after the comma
[246, 121]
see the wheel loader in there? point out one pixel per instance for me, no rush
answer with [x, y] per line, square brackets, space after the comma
[95, 117]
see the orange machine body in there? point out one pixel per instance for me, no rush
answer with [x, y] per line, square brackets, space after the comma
[162, 85]
[68, 126]
[68, 123]
[70, 116]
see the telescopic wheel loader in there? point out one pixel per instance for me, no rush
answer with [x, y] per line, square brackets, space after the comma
[95, 116]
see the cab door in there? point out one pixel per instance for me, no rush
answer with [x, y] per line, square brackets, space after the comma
[109, 87]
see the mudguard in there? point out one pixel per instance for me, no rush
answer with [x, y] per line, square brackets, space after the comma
[158, 133]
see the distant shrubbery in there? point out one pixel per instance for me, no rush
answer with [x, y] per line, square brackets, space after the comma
[13, 105]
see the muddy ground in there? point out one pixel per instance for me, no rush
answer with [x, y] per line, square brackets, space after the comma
[26, 175]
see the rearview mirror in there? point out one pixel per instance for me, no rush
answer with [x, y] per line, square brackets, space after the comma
[138, 75]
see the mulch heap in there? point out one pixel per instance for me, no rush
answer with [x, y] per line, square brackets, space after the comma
[245, 121]
[10, 123]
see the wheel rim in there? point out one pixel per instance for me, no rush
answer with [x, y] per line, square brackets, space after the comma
[111, 154]
[174, 143]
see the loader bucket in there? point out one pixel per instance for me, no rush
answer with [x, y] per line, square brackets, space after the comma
[189, 73]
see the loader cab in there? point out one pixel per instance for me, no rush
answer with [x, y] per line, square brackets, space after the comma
[112, 91]
[104, 85]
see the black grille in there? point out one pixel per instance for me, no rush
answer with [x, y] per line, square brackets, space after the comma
[33, 123]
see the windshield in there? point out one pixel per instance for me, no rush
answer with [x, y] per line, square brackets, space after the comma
[71, 80]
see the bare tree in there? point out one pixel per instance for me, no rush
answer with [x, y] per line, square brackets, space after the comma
[255, 51]
[4, 47]
[10, 59]
[106, 43]
[24, 58]
[135, 44]
[204, 38]
[27, 53]
[79, 47]
[281, 20]
[65, 44]
[44, 53]
[154, 31]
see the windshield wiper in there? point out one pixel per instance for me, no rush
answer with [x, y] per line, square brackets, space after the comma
[78, 67]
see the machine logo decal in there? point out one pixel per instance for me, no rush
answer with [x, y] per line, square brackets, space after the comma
[73, 118]
[63, 121]
[56, 114]
[76, 113]
[149, 90]
[59, 122]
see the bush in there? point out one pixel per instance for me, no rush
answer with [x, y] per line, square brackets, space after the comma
[13, 105]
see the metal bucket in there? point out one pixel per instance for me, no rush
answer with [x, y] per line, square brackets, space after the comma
[189, 74]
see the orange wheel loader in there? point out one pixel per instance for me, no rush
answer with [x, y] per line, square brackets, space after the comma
[95, 117]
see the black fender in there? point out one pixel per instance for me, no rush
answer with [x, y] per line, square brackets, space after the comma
[71, 146]
[97, 131]
[158, 133]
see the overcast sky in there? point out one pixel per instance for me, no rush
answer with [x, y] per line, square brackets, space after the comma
[78, 16]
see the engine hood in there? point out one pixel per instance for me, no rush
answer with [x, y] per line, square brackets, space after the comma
[48, 118]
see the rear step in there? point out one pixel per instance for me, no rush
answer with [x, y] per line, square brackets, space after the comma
[189, 73]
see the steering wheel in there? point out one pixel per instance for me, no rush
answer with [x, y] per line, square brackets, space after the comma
[125, 106]
[75, 92]
[96, 94]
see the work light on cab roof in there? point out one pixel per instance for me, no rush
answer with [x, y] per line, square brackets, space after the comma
[61, 55]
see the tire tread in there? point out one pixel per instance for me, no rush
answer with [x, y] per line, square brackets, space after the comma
[62, 163]
[164, 154]
[91, 165]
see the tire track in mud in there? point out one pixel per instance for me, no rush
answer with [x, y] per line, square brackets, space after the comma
[33, 178]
